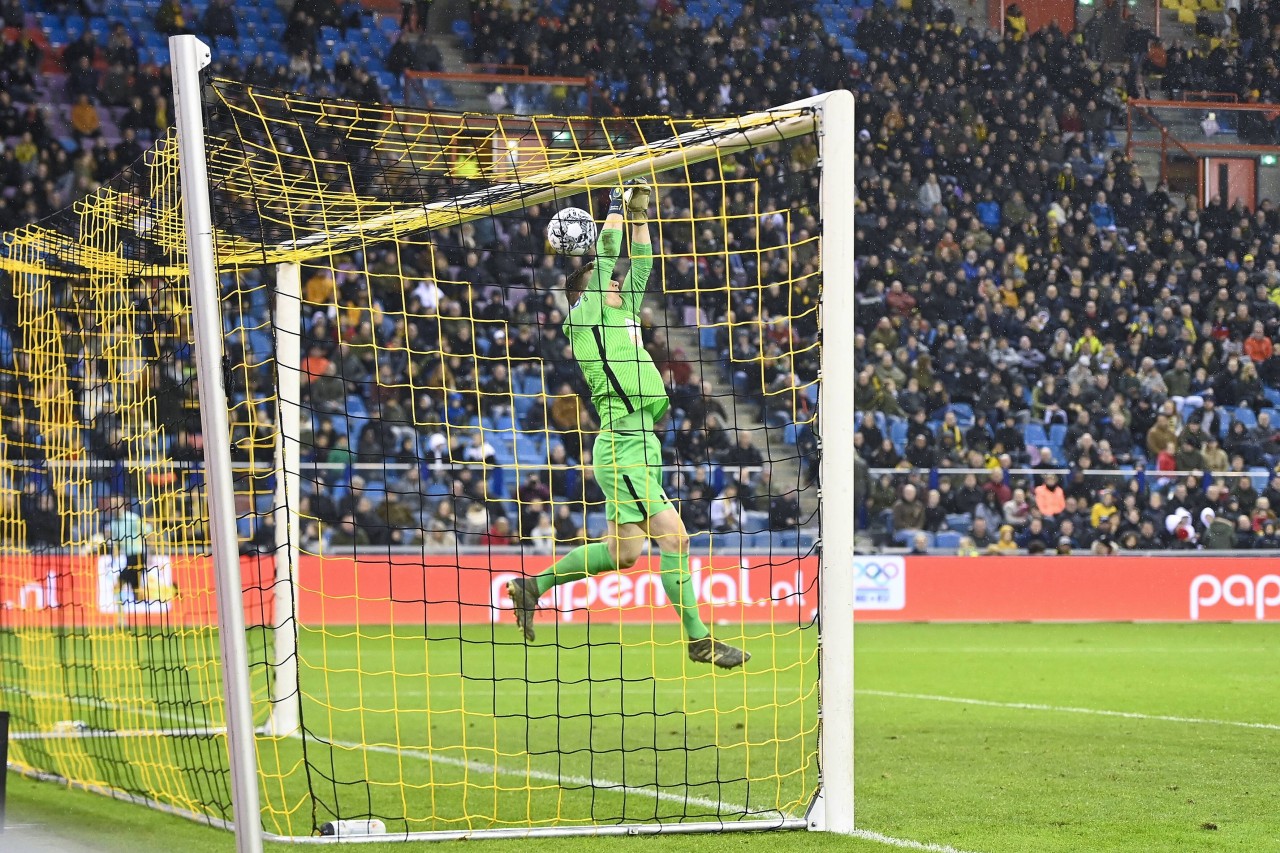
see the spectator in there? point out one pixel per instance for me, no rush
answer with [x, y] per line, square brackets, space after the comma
[84, 47]
[499, 533]
[908, 513]
[1005, 543]
[784, 511]
[347, 534]
[40, 514]
[85, 121]
[83, 80]
[1220, 531]
[220, 20]
[726, 510]
[120, 49]
[1105, 508]
[169, 18]
[919, 545]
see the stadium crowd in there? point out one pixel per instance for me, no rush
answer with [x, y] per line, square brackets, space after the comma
[1026, 300]
[1030, 304]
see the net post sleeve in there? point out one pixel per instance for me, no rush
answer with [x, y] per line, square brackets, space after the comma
[285, 699]
[188, 55]
[835, 417]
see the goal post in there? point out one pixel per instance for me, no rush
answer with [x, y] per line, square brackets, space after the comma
[837, 148]
[189, 55]
[285, 697]
[395, 427]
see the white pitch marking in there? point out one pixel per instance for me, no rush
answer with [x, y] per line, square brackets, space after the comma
[601, 784]
[1067, 709]
[906, 843]
[719, 807]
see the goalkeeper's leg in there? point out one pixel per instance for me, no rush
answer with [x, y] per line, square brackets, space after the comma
[668, 531]
[619, 550]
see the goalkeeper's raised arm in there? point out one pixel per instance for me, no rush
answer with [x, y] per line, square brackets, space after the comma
[596, 276]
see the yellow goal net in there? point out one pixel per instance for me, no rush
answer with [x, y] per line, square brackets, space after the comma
[410, 431]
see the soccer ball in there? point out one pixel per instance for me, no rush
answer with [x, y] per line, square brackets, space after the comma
[572, 231]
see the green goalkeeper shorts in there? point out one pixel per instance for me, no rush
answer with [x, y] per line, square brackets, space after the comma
[628, 467]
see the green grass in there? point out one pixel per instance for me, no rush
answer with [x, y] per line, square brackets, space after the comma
[980, 777]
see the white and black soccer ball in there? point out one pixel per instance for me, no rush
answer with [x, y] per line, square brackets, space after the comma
[572, 231]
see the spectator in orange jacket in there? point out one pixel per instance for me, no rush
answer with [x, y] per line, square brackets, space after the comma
[1258, 346]
[1050, 499]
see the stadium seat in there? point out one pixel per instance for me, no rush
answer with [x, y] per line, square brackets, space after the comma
[907, 538]
[1245, 416]
[960, 522]
[898, 434]
[948, 539]
[727, 543]
[1034, 435]
[1057, 434]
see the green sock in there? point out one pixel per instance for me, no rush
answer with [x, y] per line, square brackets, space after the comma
[678, 583]
[577, 564]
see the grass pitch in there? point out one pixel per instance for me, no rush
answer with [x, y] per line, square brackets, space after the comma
[970, 737]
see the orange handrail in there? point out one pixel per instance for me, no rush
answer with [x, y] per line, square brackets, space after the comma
[1202, 105]
[498, 68]
[1144, 106]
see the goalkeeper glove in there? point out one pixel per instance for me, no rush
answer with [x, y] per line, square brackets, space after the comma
[615, 201]
[635, 197]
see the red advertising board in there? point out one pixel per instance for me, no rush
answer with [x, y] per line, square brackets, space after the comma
[65, 590]
[448, 589]
[451, 589]
[1007, 589]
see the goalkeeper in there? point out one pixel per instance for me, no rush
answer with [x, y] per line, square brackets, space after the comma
[629, 396]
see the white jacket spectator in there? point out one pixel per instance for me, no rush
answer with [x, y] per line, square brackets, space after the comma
[726, 510]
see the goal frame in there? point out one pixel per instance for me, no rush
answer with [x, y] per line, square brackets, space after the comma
[831, 115]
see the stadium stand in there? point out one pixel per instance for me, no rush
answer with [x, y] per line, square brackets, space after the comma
[1028, 302]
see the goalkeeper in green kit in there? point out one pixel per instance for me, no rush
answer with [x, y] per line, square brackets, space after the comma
[628, 393]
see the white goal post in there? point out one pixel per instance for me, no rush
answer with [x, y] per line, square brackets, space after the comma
[832, 115]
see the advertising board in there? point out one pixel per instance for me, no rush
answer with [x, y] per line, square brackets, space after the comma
[65, 590]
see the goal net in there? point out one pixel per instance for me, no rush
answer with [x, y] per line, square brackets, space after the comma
[409, 430]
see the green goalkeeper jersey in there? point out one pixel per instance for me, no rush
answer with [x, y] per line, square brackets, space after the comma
[607, 343]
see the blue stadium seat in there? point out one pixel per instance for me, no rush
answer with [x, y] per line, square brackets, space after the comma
[528, 450]
[1035, 435]
[907, 538]
[700, 544]
[596, 524]
[1246, 416]
[1057, 434]
[726, 543]
[960, 522]
[947, 539]
[504, 453]
[898, 433]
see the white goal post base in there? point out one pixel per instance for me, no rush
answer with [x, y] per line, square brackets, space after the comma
[701, 827]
